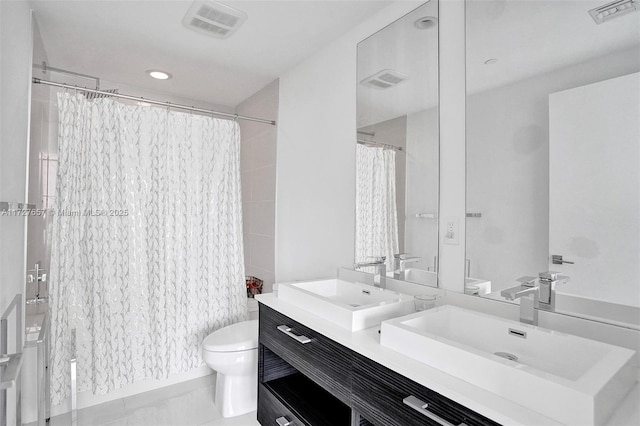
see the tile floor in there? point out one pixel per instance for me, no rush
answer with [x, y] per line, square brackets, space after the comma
[184, 404]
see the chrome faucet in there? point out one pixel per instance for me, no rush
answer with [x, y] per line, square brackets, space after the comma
[399, 265]
[547, 282]
[533, 297]
[529, 294]
[380, 275]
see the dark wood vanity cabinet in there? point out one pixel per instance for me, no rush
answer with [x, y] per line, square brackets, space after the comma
[321, 359]
[305, 378]
[387, 398]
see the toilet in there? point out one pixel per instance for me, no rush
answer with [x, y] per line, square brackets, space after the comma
[232, 352]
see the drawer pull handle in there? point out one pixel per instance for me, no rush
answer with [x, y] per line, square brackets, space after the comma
[287, 330]
[282, 421]
[421, 407]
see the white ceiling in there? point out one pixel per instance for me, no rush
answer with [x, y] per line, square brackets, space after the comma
[118, 40]
[403, 48]
[527, 37]
[531, 37]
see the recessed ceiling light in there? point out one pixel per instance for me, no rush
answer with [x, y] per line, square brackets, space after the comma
[160, 75]
[426, 22]
[490, 61]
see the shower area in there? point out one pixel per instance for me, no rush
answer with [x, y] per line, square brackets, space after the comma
[138, 248]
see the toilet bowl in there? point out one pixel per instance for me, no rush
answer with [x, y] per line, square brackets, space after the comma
[232, 352]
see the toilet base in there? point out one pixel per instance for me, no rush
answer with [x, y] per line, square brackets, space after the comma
[236, 395]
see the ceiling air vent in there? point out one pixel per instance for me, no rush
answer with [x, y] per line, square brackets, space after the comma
[213, 19]
[613, 10]
[384, 79]
[91, 96]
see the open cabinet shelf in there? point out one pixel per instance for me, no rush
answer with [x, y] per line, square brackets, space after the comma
[309, 402]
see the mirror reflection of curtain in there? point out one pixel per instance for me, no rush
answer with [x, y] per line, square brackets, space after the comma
[376, 210]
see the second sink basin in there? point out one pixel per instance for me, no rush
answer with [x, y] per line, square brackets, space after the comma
[567, 378]
[353, 306]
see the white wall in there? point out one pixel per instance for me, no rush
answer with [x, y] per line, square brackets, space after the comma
[422, 187]
[315, 186]
[258, 170]
[15, 86]
[452, 140]
[594, 155]
[508, 168]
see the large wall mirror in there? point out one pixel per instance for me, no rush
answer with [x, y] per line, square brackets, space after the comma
[397, 146]
[553, 150]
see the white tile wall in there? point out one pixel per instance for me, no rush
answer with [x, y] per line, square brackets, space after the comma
[258, 174]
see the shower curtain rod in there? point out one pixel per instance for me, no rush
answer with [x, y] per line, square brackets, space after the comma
[383, 145]
[150, 101]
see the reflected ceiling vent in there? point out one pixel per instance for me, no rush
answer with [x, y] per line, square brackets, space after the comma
[91, 96]
[384, 79]
[213, 19]
[613, 10]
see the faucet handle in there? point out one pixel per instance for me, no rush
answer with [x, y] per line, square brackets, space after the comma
[553, 276]
[527, 281]
[379, 259]
[400, 255]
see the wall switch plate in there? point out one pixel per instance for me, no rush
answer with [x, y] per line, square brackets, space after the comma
[451, 231]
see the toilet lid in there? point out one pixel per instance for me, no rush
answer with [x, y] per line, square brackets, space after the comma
[240, 336]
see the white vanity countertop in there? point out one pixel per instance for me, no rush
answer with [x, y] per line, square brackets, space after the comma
[501, 410]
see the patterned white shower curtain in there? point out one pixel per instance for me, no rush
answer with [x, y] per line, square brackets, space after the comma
[376, 210]
[147, 255]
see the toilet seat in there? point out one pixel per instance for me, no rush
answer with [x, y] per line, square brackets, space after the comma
[241, 336]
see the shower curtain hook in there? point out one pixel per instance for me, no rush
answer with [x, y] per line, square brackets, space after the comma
[235, 117]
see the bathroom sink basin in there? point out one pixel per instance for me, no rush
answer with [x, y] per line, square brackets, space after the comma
[567, 378]
[353, 306]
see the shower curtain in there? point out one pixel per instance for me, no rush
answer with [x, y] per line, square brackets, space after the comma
[147, 255]
[376, 210]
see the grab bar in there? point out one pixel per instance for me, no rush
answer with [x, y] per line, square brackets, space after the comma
[10, 363]
[44, 378]
[73, 361]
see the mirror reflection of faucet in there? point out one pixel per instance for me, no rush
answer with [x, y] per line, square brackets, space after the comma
[400, 261]
[380, 274]
[37, 276]
[533, 296]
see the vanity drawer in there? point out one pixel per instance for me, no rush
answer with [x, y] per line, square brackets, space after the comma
[321, 359]
[272, 412]
[379, 394]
